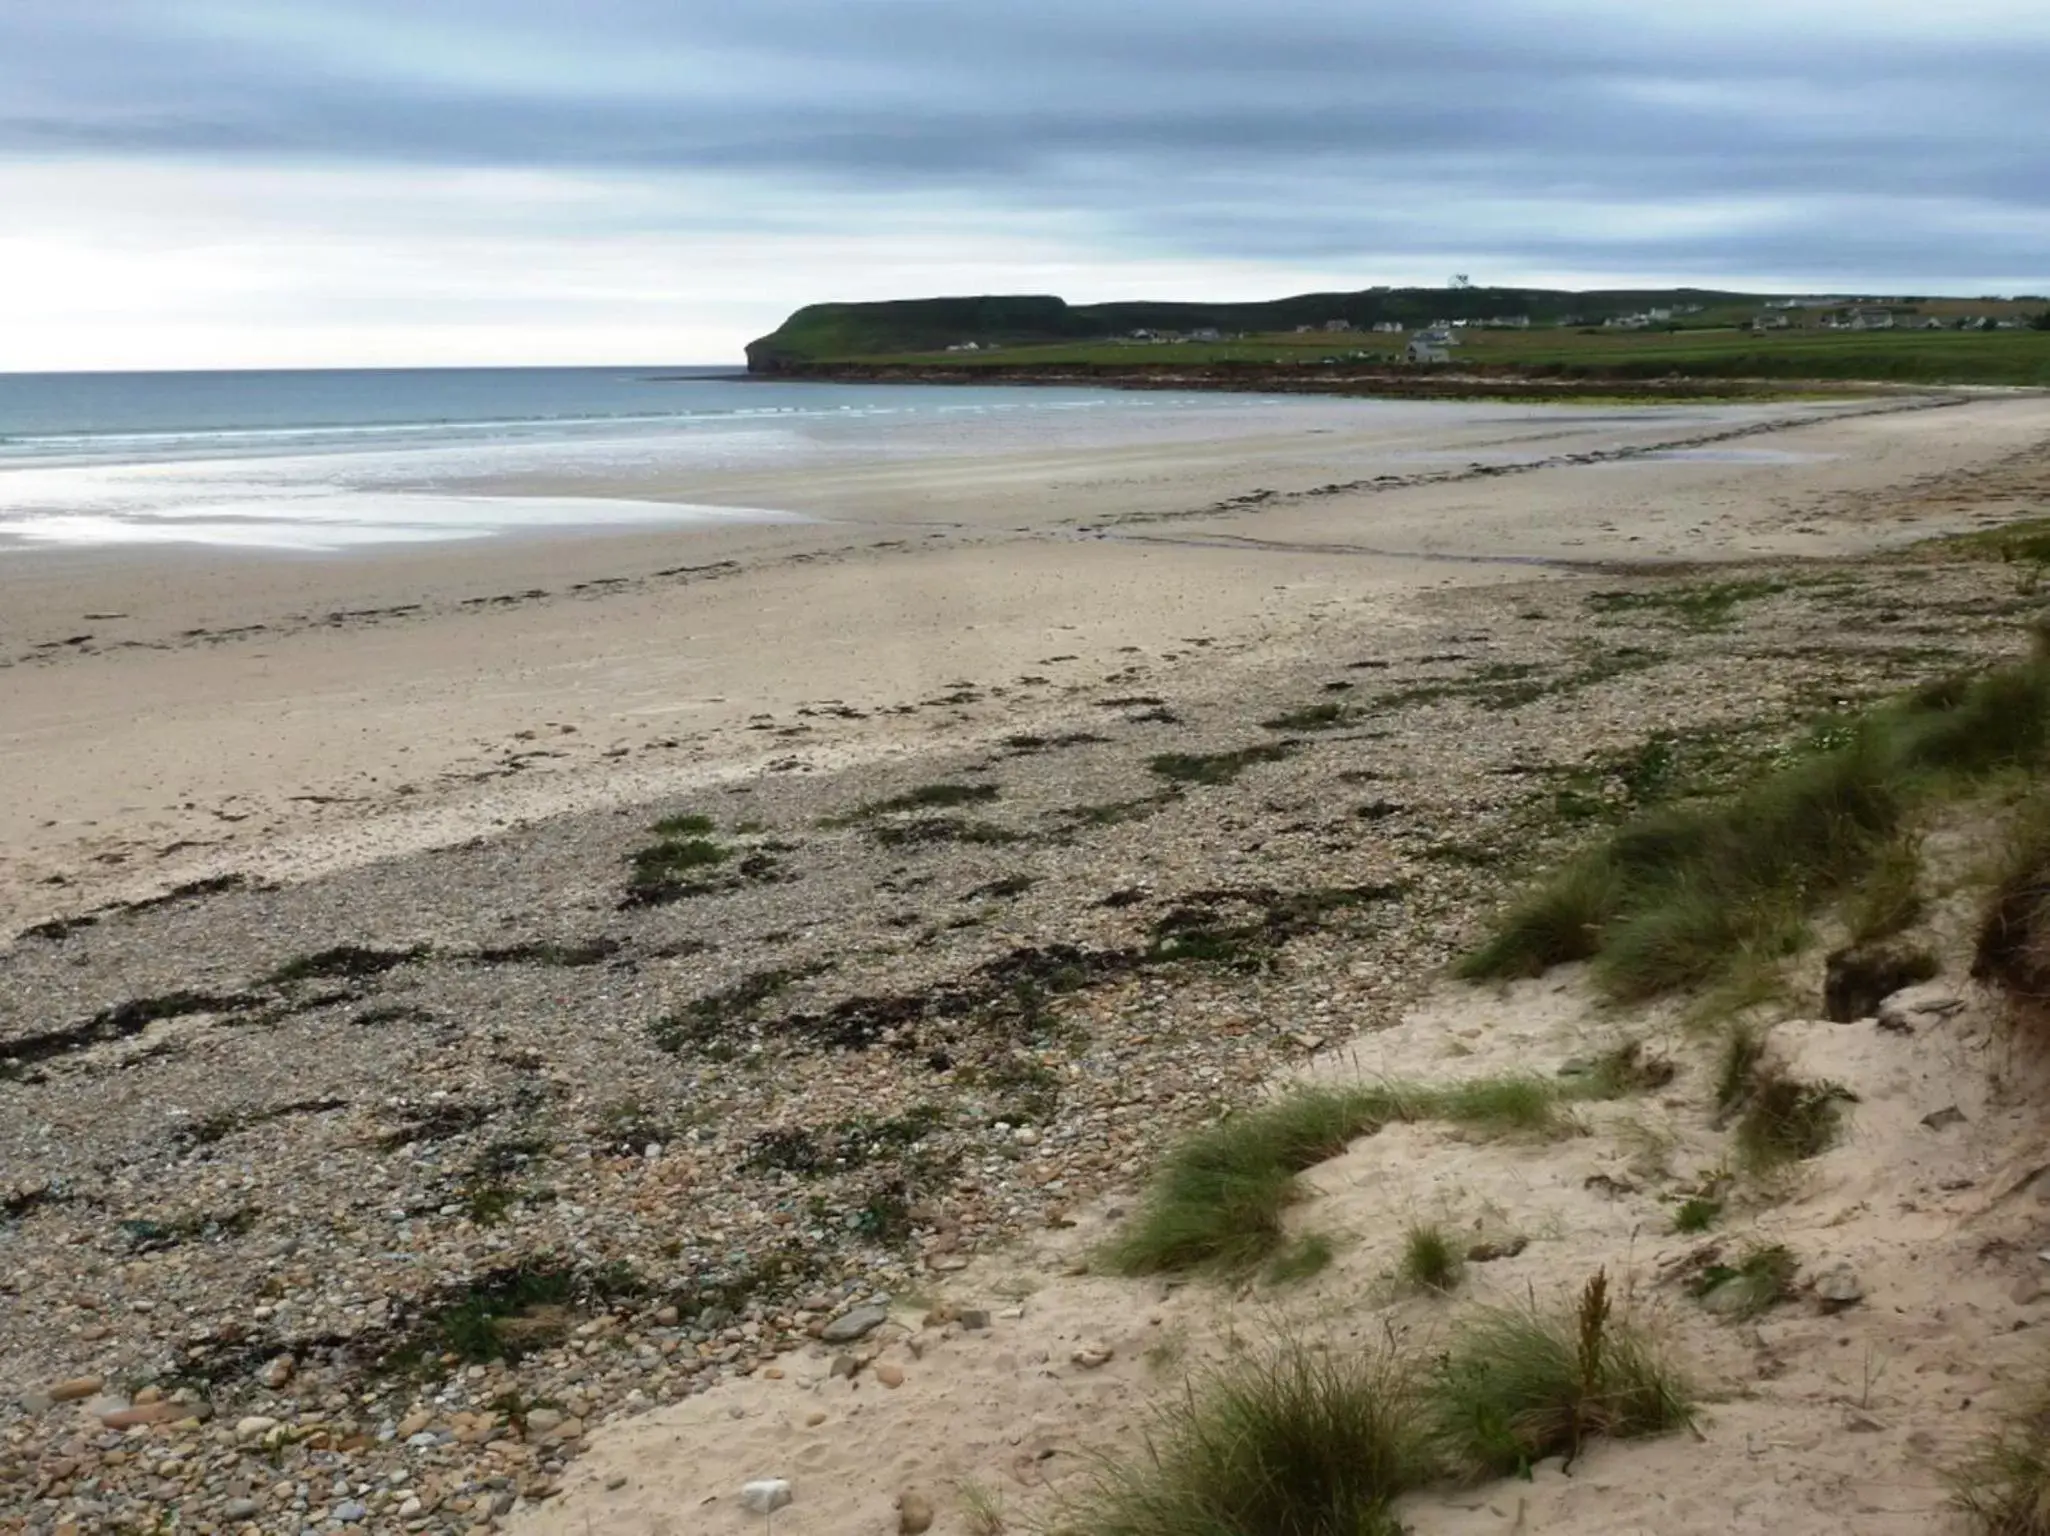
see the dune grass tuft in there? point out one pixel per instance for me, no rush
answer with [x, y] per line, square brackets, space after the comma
[1430, 1260]
[1291, 1442]
[1671, 899]
[1520, 1384]
[1786, 1119]
[1218, 1200]
[2014, 930]
[1311, 1254]
[2003, 1487]
[1743, 1050]
[1697, 1214]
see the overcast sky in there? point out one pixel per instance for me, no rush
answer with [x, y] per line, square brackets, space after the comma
[215, 183]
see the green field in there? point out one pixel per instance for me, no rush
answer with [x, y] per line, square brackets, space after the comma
[1901, 357]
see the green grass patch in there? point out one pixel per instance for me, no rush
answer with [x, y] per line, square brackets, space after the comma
[1697, 1214]
[1673, 897]
[1430, 1260]
[1785, 1119]
[1216, 767]
[1218, 1201]
[1519, 1385]
[1290, 1442]
[1311, 1254]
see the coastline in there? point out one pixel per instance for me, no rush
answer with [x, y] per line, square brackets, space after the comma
[240, 703]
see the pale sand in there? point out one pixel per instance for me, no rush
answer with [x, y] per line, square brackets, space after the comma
[309, 727]
[1811, 1425]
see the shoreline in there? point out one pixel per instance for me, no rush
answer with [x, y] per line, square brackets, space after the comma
[173, 714]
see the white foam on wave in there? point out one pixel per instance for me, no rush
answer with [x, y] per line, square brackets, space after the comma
[340, 520]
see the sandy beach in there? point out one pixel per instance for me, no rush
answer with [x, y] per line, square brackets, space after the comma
[171, 715]
[527, 1037]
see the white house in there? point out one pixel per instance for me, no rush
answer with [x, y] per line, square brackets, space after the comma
[1335, 326]
[1422, 351]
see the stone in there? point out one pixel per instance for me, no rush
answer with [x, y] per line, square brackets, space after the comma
[974, 1319]
[241, 1509]
[277, 1372]
[2026, 1291]
[765, 1495]
[1094, 1356]
[254, 1427]
[1489, 1252]
[76, 1388]
[914, 1513]
[1944, 1118]
[814, 1419]
[855, 1323]
[1913, 1009]
[845, 1365]
[542, 1422]
[143, 1413]
[889, 1375]
[1838, 1288]
[413, 1423]
[349, 1512]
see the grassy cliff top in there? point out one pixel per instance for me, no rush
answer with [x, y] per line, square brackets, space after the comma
[821, 333]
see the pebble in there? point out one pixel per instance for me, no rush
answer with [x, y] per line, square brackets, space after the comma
[1093, 1356]
[278, 1371]
[814, 1419]
[349, 1512]
[76, 1388]
[765, 1495]
[142, 1413]
[254, 1426]
[1838, 1288]
[241, 1509]
[856, 1323]
[974, 1319]
[914, 1513]
[890, 1375]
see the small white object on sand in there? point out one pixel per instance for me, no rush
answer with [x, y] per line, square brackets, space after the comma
[765, 1495]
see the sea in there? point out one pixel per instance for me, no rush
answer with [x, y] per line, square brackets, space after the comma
[328, 460]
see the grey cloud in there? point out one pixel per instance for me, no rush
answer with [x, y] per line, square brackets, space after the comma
[1206, 126]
